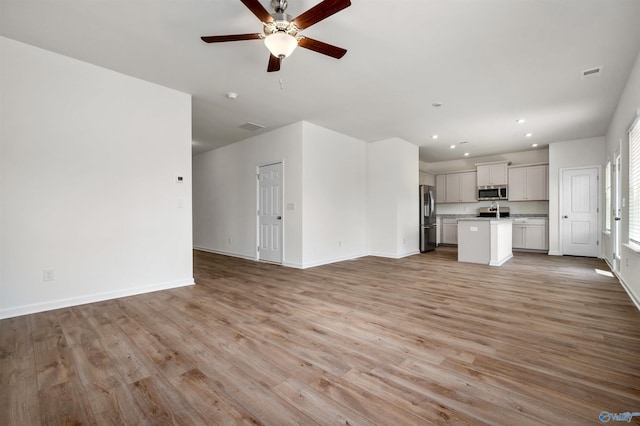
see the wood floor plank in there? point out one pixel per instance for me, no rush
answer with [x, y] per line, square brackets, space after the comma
[419, 340]
[65, 404]
[113, 403]
[19, 404]
[162, 404]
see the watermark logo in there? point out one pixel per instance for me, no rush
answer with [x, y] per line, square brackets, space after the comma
[606, 417]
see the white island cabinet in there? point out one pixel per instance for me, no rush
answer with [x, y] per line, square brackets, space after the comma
[485, 240]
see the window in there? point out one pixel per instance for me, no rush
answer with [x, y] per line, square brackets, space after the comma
[607, 197]
[634, 183]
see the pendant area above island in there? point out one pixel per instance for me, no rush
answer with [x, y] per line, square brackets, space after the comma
[487, 241]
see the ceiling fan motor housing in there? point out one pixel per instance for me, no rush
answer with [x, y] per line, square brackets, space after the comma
[279, 5]
[281, 22]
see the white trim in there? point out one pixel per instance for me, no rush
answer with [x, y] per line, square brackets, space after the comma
[224, 253]
[393, 255]
[634, 298]
[501, 262]
[91, 298]
[555, 253]
[598, 231]
[330, 261]
[634, 120]
[633, 247]
[282, 208]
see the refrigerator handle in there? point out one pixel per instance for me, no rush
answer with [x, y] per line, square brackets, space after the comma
[432, 202]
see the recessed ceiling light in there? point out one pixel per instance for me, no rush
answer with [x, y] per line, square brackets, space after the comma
[434, 137]
[466, 154]
[520, 120]
[232, 95]
[534, 145]
[452, 146]
[528, 135]
[436, 104]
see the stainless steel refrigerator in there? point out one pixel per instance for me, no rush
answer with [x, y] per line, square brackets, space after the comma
[428, 224]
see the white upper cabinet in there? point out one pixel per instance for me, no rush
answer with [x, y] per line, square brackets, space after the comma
[441, 188]
[456, 188]
[492, 174]
[529, 183]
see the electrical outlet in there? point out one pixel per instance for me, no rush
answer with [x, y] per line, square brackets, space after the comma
[48, 275]
[229, 240]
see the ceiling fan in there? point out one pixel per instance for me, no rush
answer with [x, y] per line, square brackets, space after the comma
[280, 31]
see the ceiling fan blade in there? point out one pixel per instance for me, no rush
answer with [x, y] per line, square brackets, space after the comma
[235, 37]
[321, 47]
[274, 64]
[319, 12]
[258, 10]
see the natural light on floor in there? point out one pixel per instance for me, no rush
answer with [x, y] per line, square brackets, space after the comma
[605, 273]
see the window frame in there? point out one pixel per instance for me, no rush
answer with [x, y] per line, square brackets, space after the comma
[633, 233]
[607, 197]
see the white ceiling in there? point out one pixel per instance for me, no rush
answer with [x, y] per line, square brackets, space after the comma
[489, 62]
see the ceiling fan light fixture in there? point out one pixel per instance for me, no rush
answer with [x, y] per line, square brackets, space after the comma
[280, 44]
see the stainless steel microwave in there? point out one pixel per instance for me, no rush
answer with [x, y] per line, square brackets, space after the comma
[492, 193]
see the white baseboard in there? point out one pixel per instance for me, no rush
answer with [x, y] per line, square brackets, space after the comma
[91, 298]
[634, 297]
[500, 262]
[333, 260]
[554, 253]
[393, 255]
[224, 253]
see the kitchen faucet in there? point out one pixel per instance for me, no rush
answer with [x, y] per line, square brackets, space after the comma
[495, 206]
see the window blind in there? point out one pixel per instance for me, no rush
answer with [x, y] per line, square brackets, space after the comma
[634, 183]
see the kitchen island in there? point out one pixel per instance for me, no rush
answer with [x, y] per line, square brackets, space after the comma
[485, 240]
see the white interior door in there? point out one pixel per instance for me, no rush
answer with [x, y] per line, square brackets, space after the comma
[617, 211]
[270, 213]
[579, 212]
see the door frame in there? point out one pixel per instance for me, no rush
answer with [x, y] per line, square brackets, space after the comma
[598, 231]
[617, 207]
[257, 208]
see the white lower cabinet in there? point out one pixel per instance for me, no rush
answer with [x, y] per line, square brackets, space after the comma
[530, 234]
[449, 231]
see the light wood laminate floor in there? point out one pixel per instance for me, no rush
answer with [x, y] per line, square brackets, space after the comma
[421, 340]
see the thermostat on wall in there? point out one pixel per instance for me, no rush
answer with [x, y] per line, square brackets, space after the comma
[179, 179]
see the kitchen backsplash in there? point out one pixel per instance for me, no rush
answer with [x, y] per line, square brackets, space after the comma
[536, 208]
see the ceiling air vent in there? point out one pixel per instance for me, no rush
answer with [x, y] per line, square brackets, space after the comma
[592, 73]
[252, 126]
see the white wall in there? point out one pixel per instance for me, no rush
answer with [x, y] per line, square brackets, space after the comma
[334, 189]
[393, 226]
[225, 194]
[563, 155]
[628, 107]
[88, 159]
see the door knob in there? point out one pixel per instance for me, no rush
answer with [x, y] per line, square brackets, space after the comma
[279, 217]
[565, 217]
[617, 218]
